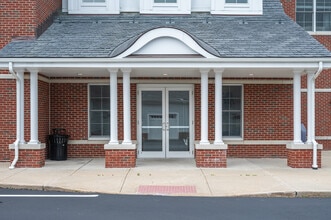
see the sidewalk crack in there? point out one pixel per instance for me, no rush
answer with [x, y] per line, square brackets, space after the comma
[75, 171]
[204, 176]
[124, 180]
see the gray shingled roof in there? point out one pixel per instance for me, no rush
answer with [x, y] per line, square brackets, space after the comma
[272, 35]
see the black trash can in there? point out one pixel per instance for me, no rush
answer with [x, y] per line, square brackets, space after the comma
[58, 144]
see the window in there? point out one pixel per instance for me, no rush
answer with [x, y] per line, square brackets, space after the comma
[99, 111]
[236, 1]
[94, 1]
[232, 111]
[314, 15]
[165, 1]
[237, 7]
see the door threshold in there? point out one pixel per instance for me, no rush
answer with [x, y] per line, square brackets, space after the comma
[177, 163]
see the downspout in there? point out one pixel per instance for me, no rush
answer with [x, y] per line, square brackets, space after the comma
[12, 166]
[315, 144]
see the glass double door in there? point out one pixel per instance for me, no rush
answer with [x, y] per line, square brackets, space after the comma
[165, 122]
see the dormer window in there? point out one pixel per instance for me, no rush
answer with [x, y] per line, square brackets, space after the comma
[165, 1]
[93, 7]
[236, 1]
[165, 6]
[237, 7]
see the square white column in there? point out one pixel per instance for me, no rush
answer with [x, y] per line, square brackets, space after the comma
[34, 107]
[218, 106]
[310, 108]
[126, 106]
[204, 107]
[113, 107]
[20, 107]
[297, 106]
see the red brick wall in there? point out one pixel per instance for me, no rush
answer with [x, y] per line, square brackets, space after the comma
[289, 7]
[268, 112]
[29, 158]
[257, 151]
[7, 117]
[43, 112]
[25, 18]
[120, 158]
[86, 150]
[211, 158]
[303, 158]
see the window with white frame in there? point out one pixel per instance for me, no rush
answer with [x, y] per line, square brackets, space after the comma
[99, 111]
[165, 1]
[237, 7]
[232, 111]
[165, 6]
[314, 15]
[236, 1]
[93, 6]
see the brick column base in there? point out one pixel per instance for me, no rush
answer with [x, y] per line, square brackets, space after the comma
[303, 158]
[29, 158]
[301, 155]
[211, 156]
[120, 156]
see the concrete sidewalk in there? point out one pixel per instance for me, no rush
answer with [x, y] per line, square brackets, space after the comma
[243, 177]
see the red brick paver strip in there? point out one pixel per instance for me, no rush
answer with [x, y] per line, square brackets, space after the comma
[166, 190]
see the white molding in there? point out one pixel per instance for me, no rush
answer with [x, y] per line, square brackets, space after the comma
[6, 76]
[293, 146]
[28, 146]
[211, 146]
[104, 63]
[324, 138]
[257, 142]
[120, 146]
[324, 90]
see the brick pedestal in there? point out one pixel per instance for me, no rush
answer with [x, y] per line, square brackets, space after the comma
[301, 156]
[29, 158]
[211, 156]
[120, 156]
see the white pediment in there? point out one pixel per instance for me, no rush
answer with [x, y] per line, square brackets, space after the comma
[165, 41]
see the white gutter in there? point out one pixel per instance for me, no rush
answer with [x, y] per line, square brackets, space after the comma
[12, 166]
[315, 144]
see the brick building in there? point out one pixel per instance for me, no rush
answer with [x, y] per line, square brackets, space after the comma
[165, 79]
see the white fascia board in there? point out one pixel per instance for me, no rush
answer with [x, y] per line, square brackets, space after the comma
[229, 63]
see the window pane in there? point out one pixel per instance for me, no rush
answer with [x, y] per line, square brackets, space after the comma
[323, 21]
[235, 130]
[95, 104]
[304, 5]
[232, 110]
[99, 110]
[96, 117]
[305, 20]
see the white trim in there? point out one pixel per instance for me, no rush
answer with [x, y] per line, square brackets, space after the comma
[169, 33]
[253, 7]
[326, 138]
[309, 146]
[229, 63]
[120, 147]
[79, 7]
[171, 81]
[149, 7]
[324, 90]
[6, 76]
[211, 146]
[28, 146]
[257, 142]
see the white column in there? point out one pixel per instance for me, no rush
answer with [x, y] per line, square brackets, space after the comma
[126, 106]
[20, 106]
[204, 106]
[297, 106]
[218, 106]
[34, 107]
[113, 106]
[310, 107]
